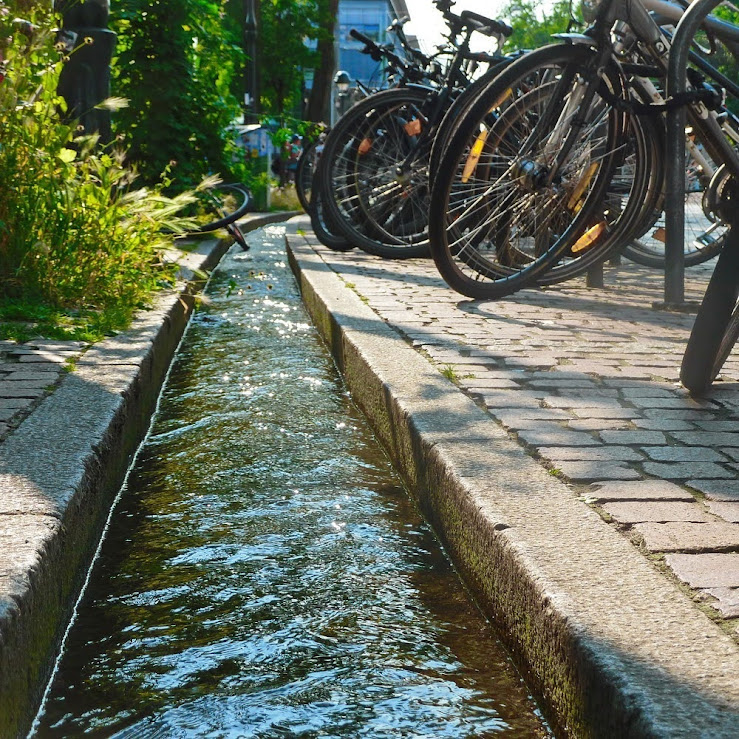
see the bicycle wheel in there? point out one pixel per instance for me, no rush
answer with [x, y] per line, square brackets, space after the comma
[456, 113]
[632, 192]
[714, 331]
[704, 232]
[304, 174]
[524, 172]
[221, 205]
[374, 205]
[323, 231]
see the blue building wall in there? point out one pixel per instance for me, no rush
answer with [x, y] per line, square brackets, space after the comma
[371, 17]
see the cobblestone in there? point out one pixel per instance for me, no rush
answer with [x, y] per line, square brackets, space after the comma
[684, 470]
[727, 490]
[706, 570]
[642, 490]
[683, 454]
[641, 438]
[685, 536]
[657, 511]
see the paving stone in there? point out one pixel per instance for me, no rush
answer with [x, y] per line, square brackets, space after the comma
[728, 601]
[613, 412]
[685, 470]
[727, 511]
[554, 435]
[14, 404]
[641, 490]
[708, 438]
[683, 454]
[557, 383]
[687, 403]
[517, 416]
[591, 453]
[42, 358]
[716, 424]
[706, 570]
[663, 424]
[682, 536]
[649, 391]
[681, 414]
[511, 399]
[657, 511]
[32, 369]
[596, 470]
[598, 424]
[597, 402]
[731, 452]
[727, 490]
[7, 391]
[642, 438]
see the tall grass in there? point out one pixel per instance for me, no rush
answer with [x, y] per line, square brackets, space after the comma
[75, 232]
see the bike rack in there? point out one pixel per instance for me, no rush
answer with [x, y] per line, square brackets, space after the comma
[675, 154]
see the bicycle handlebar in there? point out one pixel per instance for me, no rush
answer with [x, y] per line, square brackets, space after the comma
[376, 51]
[484, 25]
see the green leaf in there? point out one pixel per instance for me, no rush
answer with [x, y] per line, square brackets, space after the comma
[67, 155]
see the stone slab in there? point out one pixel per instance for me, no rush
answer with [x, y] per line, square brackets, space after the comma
[727, 490]
[728, 601]
[706, 570]
[681, 536]
[641, 490]
[657, 511]
[727, 511]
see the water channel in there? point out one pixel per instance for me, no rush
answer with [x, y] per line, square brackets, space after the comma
[265, 573]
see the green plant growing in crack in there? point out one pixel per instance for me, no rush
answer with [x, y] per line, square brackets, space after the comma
[448, 371]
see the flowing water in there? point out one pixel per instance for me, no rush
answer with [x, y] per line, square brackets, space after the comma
[265, 573]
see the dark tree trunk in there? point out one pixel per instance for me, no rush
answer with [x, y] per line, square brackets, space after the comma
[319, 103]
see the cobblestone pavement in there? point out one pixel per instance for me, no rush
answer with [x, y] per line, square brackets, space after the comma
[28, 373]
[586, 380]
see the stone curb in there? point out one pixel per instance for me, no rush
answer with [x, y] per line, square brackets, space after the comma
[59, 473]
[612, 646]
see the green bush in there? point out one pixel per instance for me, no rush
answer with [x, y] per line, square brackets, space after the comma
[75, 234]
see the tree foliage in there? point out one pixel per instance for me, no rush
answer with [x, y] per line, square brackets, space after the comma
[534, 22]
[176, 63]
[284, 56]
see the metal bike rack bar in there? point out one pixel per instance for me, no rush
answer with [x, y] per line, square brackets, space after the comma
[675, 152]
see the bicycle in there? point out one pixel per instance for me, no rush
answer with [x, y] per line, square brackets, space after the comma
[374, 169]
[221, 205]
[526, 180]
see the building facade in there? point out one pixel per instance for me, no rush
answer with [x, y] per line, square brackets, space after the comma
[371, 17]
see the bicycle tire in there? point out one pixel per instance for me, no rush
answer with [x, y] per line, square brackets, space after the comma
[351, 176]
[710, 334]
[324, 233]
[243, 200]
[498, 233]
[456, 112]
[631, 192]
[304, 175]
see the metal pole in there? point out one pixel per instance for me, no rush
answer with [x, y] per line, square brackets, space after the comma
[251, 78]
[675, 153]
[85, 79]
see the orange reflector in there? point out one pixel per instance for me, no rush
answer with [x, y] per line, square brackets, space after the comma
[501, 99]
[364, 146]
[589, 238]
[659, 234]
[474, 155]
[413, 128]
[574, 201]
